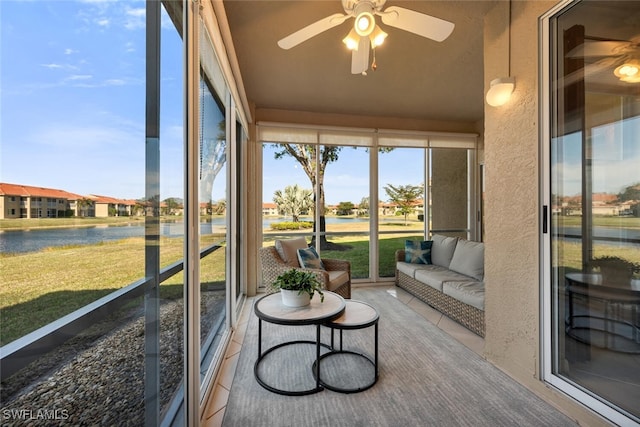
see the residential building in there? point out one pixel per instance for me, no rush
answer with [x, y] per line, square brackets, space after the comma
[25, 201]
[105, 206]
[269, 209]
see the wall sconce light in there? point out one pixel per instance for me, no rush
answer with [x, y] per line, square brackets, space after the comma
[500, 89]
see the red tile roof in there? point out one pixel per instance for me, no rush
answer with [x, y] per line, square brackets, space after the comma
[110, 200]
[29, 191]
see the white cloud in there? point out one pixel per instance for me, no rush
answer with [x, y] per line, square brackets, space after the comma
[103, 22]
[135, 18]
[89, 137]
[52, 66]
[79, 77]
[69, 51]
[115, 82]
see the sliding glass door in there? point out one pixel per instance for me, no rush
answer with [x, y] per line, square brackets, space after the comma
[592, 206]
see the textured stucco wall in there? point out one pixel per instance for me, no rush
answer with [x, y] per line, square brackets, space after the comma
[449, 189]
[512, 208]
[511, 190]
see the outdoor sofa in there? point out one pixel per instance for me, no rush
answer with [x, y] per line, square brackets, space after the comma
[448, 274]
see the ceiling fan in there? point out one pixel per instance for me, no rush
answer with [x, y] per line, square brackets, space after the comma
[366, 33]
[623, 56]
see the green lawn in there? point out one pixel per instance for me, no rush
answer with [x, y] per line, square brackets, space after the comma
[358, 254]
[39, 287]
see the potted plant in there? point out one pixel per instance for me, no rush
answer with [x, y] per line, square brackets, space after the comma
[297, 287]
[615, 271]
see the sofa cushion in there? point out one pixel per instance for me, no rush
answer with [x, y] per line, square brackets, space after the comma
[410, 269]
[442, 250]
[468, 258]
[417, 252]
[435, 276]
[288, 250]
[309, 258]
[469, 292]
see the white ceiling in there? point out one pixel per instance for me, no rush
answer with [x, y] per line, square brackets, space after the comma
[416, 78]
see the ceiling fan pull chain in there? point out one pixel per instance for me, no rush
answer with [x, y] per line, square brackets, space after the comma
[374, 65]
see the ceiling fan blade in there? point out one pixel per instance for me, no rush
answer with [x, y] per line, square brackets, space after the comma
[312, 30]
[418, 23]
[592, 48]
[360, 57]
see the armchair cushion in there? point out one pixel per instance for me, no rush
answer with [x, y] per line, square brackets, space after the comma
[309, 258]
[337, 279]
[288, 250]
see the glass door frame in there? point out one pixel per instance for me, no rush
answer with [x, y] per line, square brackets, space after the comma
[548, 324]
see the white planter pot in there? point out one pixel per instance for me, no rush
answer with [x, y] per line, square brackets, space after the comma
[292, 299]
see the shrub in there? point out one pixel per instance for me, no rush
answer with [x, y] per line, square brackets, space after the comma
[290, 225]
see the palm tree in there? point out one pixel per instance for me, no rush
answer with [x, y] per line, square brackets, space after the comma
[83, 206]
[293, 201]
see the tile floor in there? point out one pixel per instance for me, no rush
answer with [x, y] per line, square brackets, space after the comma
[214, 410]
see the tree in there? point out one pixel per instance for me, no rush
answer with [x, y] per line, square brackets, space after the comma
[293, 201]
[345, 208]
[139, 208]
[171, 206]
[213, 146]
[363, 207]
[306, 155]
[220, 207]
[632, 192]
[84, 204]
[405, 196]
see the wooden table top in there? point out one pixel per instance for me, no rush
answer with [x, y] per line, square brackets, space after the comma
[271, 309]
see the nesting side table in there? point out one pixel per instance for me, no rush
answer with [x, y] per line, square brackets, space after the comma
[357, 315]
[271, 309]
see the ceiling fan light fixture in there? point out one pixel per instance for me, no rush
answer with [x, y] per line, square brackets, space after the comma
[364, 24]
[500, 91]
[377, 37]
[352, 40]
[628, 72]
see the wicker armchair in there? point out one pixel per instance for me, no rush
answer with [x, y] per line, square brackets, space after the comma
[335, 278]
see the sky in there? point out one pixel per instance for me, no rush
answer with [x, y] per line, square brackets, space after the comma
[615, 158]
[72, 97]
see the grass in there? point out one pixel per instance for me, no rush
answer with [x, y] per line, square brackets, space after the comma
[39, 287]
[603, 221]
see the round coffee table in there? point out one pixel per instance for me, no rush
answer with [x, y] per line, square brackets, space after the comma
[271, 309]
[357, 315]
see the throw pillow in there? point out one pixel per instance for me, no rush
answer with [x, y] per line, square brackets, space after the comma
[417, 252]
[287, 250]
[309, 258]
[468, 259]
